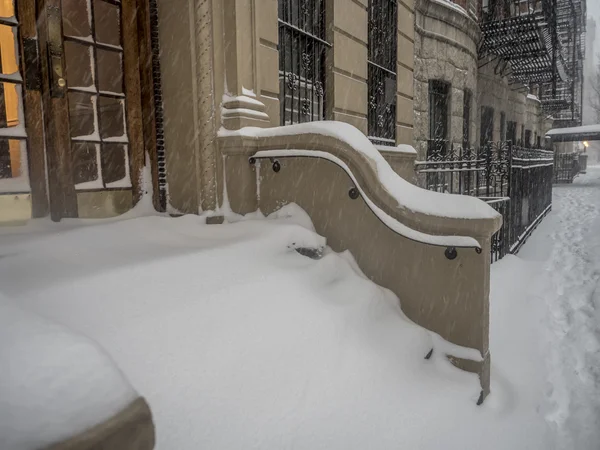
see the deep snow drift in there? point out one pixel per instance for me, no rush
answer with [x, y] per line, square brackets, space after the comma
[54, 383]
[238, 341]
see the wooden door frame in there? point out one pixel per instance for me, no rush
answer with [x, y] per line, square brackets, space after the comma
[140, 88]
[32, 104]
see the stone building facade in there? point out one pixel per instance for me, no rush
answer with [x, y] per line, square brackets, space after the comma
[446, 49]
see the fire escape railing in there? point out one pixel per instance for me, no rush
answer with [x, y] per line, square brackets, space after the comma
[538, 43]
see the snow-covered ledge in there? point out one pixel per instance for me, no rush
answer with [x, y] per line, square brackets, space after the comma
[430, 249]
[402, 159]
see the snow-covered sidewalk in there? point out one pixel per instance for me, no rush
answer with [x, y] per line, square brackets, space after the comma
[238, 341]
[553, 286]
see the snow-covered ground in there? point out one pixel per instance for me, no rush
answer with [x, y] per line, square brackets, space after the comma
[238, 341]
[559, 268]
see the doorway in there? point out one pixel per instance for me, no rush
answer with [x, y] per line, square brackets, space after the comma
[76, 104]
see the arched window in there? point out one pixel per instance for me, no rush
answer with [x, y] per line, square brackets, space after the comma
[302, 47]
[382, 84]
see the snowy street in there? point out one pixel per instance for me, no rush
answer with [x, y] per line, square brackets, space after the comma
[238, 341]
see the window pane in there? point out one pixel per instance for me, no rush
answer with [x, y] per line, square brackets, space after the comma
[85, 162]
[107, 22]
[7, 8]
[8, 49]
[113, 162]
[81, 113]
[11, 164]
[79, 65]
[109, 71]
[111, 117]
[76, 18]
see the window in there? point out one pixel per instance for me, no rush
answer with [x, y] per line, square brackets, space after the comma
[382, 58]
[439, 93]
[522, 134]
[487, 126]
[302, 48]
[467, 99]
[538, 142]
[511, 132]
[502, 126]
[527, 138]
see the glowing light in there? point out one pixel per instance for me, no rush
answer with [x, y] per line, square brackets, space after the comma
[586, 144]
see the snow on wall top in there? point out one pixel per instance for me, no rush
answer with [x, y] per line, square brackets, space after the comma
[575, 130]
[59, 383]
[409, 196]
[401, 148]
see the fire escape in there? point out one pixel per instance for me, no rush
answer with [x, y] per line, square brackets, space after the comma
[566, 105]
[538, 44]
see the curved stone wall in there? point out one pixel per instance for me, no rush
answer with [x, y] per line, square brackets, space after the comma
[445, 49]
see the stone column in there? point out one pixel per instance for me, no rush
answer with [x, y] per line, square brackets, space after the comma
[241, 106]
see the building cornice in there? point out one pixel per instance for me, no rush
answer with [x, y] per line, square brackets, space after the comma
[447, 12]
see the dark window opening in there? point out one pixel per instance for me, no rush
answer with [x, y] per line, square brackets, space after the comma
[527, 138]
[439, 101]
[467, 100]
[511, 132]
[302, 48]
[487, 126]
[382, 56]
[502, 126]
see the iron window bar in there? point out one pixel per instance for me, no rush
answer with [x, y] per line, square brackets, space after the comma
[302, 48]
[381, 71]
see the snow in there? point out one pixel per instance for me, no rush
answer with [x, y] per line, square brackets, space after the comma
[533, 97]
[245, 111]
[401, 148]
[407, 195]
[57, 383]
[242, 99]
[575, 130]
[454, 6]
[238, 341]
[392, 223]
[549, 295]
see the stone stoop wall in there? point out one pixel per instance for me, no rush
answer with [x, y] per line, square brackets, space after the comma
[445, 49]
[455, 304]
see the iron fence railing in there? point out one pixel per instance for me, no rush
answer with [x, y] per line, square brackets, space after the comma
[514, 180]
[566, 167]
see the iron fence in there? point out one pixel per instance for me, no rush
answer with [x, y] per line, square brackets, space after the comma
[514, 180]
[566, 167]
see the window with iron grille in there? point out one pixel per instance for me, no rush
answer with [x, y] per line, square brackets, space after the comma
[467, 100]
[487, 126]
[502, 126]
[302, 48]
[511, 132]
[439, 100]
[383, 29]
